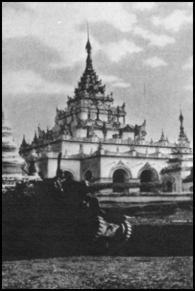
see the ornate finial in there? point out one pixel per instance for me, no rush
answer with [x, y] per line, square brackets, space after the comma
[181, 118]
[88, 45]
[182, 136]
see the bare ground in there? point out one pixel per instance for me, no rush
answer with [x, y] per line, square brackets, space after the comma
[100, 273]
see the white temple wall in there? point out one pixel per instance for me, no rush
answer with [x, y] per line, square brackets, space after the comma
[127, 135]
[114, 147]
[69, 148]
[103, 117]
[134, 165]
[72, 166]
[42, 167]
[165, 151]
[89, 148]
[110, 133]
[73, 148]
[99, 133]
[81, 132]
[93, 115]
[52, 167]
[48, 167]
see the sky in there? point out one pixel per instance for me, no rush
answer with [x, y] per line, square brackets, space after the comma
[142, 51]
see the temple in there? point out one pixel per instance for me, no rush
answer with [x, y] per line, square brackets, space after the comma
[11, 161]
[98, 145]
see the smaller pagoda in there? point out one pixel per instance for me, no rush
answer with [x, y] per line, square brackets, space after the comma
[182, 139]
[11, 161]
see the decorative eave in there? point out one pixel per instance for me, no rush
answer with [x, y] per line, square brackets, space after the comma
[169, 169]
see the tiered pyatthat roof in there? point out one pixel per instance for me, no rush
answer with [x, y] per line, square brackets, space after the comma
[182, 135]
[163, 139]
[8, 143]
[89, 85]
[11, 161]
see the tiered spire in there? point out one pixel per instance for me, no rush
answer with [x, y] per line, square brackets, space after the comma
[89, 84]
[88, 49]
[162, 138]
[182, 136]
[181, 124]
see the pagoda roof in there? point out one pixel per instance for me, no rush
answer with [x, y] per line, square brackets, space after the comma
[89, 85]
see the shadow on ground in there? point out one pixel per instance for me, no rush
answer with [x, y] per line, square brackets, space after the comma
[41, 227]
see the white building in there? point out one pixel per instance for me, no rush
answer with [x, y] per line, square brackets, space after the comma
[95, 141]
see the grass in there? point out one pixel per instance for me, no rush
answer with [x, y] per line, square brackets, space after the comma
[99, 273]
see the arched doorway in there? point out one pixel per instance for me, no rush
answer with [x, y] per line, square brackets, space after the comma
[120, 176]
[68, 175]
[169, 186]
[168, 183]
[147, 177]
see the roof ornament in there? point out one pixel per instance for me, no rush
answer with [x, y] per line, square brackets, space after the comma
[181, 118]
[182, 136]
[162, 138]
[88, 45]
